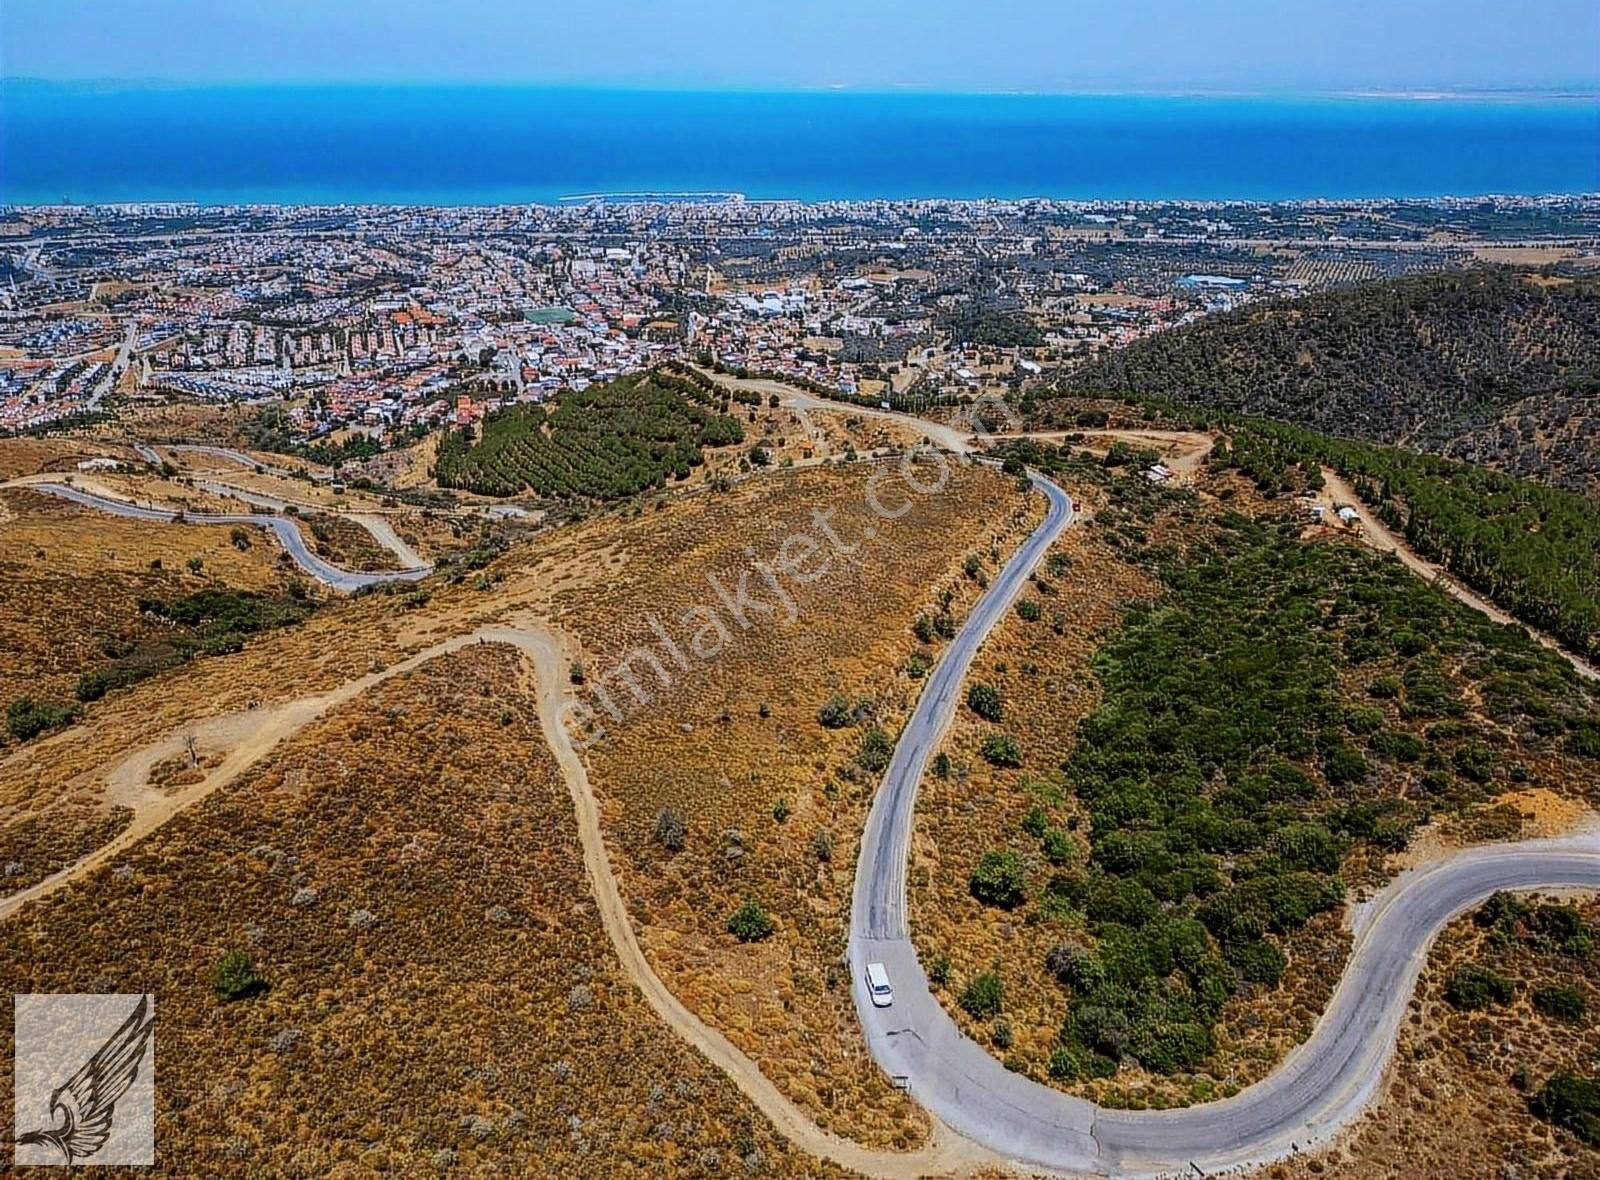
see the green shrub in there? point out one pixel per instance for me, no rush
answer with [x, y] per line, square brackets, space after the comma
[235, 977]
[1001, 749]
[1001, 1033]
[1075, 966]
[1070, 1063]
[1277, 903]
[876, 750]
[1167, 1047]
[1396, 746]
[1065, 1065]
[983, 996]
[1307, 846]
[1029, 610]
[27, 718]
[1573, 1102]
[836, 714]
[1036, 822]
[1473, 986]
[1562, 1003]
[750, 923]
[999, 880]
[1562, 927]
[985, 702]
[1343, 765]
[1258, 962]
[1363, 719]
[1105, 1030]
[1058, 847]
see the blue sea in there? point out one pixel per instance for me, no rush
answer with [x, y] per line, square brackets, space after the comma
[490, 145]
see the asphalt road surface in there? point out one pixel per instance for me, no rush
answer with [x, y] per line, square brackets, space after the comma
[1319, 1088]
[288, 535]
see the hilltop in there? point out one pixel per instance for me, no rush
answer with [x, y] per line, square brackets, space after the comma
[1496, 366]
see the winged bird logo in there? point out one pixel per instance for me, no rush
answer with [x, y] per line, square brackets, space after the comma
[83, 1105]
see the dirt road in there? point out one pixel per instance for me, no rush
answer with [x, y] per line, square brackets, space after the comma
[239, 741]
[1378, 535]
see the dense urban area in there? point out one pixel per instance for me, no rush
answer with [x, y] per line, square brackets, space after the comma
[372, 325]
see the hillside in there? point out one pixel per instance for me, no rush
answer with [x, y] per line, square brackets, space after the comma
[1497, 366]
[1202, 730]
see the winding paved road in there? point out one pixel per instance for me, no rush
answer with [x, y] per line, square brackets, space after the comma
[1320, 1087]
[293, 541]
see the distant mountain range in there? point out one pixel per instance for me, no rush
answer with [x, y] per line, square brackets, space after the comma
[1496, 366]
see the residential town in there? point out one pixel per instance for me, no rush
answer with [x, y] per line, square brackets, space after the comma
[382, 322]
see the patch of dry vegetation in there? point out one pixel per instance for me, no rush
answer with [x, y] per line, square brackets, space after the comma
[440, 995]
[158, 421]
[345, 543]
[35, 456]
[790, 437]
[770, 800]
[71, 579]
[34, 847]
[735, 748]
[1457, 1100]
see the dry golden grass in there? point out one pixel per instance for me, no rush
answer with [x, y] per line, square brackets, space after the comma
[33, 456]
[162, 420]
[1451, 1107]
[790, 436]
[345, 543]
[734, 747]
[783, 1001]
[442, 998]
[71, 578]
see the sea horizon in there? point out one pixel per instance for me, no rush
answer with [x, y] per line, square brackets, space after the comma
[452, 145]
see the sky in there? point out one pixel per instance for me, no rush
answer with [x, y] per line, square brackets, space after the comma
[972, 45]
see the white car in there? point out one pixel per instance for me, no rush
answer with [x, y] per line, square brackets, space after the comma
[878, 985]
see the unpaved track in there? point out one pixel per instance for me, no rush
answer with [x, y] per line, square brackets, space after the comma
[243, 739]
[1318, 1089]
[944, 1153]
[1378, 535]
[239, 739]
[1392, 935]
